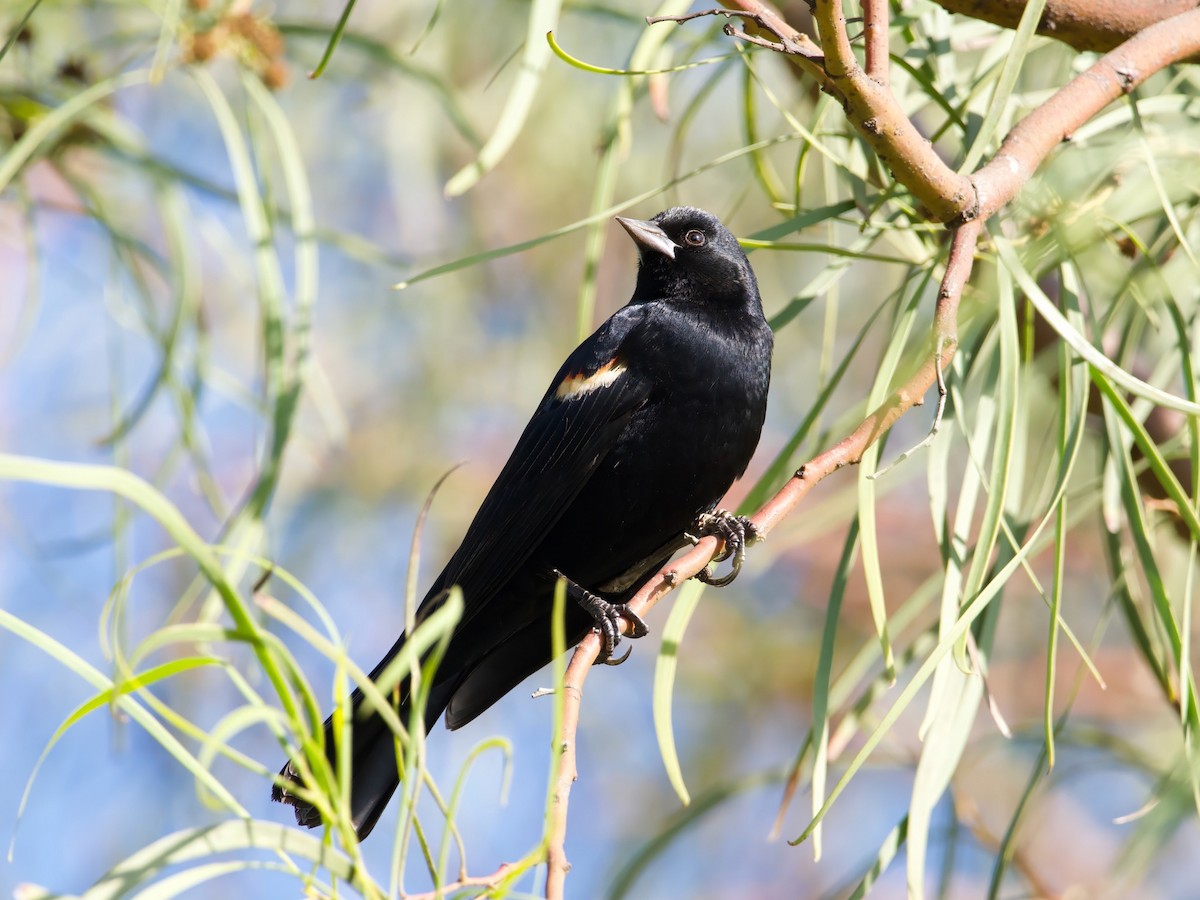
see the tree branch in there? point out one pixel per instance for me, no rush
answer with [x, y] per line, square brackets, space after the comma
[948, 196]
[875, 40]
[1117, 73]
[870, 107]
[1098, 25]
[874, 112]
[848, 452]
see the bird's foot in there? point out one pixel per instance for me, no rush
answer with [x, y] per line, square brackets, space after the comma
[735, 531]
[606, 615]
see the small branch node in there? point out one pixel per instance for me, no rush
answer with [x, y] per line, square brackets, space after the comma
[787, 41]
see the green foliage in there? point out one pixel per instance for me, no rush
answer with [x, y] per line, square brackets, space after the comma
[1056, 500]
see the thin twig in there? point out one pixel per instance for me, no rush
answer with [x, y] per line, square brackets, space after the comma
[466, 881]
[754, 39]
[937, 418]
[557, 865]
[967, 812]
[793, 43]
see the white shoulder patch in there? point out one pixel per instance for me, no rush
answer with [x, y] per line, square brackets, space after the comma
[577, 385]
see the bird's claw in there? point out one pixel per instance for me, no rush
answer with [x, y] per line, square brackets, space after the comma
[606, 616]
[615, 662]
[608, 627]
[735, 532]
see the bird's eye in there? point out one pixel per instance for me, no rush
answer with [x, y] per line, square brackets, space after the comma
[695, 238]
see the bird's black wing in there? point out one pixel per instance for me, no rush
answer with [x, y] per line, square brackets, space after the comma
[577, 423]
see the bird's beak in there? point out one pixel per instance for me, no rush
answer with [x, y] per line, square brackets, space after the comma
[648, 236]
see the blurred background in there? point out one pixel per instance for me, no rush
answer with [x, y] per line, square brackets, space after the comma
[217, 228]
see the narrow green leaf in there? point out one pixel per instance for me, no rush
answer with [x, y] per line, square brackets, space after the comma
[969, 613]
[522, 246]
[1079, 343]
[957, 689]
[543, 15]
[640, 860]
[52, 124]
[451, 811]
[687, 598]
[842, 690]
[1185, 346]
[1117, 412]
[594, 69]
[1152, 453]
[887, 852]
[18, 28]
[880, 390]
[798, 222]
[129, 486]
[196, 844]
[997, 106]
[1160, 189]
[335, 38]
[71, 661]
[106, 698]
[824, 676]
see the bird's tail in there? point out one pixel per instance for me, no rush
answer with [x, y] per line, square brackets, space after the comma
[374, 773]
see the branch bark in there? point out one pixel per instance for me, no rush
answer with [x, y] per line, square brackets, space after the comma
[557, 864]
[1113, 75]
[947, 195]
[875, 40]
[1098, 25]
[870, 106]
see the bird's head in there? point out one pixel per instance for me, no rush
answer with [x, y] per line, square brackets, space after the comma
[688, 257]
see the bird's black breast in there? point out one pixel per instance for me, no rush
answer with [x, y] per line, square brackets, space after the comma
[678, 453]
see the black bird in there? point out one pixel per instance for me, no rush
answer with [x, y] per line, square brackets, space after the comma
[643, 430]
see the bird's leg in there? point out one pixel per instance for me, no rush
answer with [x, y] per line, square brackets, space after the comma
[605, 615]
[734, 531]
